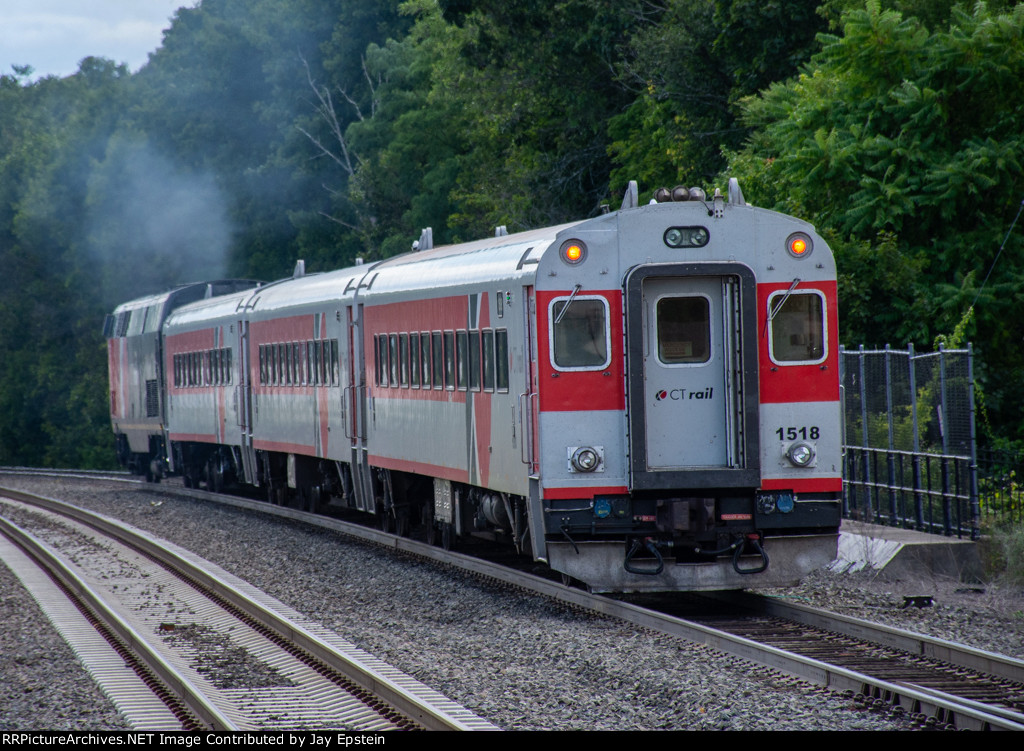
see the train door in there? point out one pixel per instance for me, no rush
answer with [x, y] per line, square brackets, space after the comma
[244, 402]
[691, 414]
[528, 449]
[528, 410]
[355, 406]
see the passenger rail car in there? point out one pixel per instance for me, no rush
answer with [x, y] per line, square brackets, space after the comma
[137, 381]
[646, 400]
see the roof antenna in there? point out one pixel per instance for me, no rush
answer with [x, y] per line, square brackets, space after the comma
[632, 198]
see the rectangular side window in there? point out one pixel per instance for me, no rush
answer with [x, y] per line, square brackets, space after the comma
[501, 358]
[488, 353]
[403, 359]
[438, 356]
[335, 364]
[449, 359]
[580, 337]
[797, 327]
[474, 360]
[462, 359]
[414, 360]
[393, 360]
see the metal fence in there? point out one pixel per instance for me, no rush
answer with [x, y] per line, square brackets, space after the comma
[1001, 486]
[910, 454]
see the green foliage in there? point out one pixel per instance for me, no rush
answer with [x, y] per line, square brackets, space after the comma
[1005, 548]
[903, 144]
[263, 131]
[691, 66]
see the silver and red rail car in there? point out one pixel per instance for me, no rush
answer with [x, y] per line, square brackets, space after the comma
[138, 389]
[646, 400]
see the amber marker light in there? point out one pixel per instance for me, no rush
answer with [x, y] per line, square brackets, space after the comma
[799, 245]
[573, 252]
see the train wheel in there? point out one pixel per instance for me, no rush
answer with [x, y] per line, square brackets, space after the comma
[428, 523]
[385, 520]
[402, 522]
[314, 497]
[447, 536]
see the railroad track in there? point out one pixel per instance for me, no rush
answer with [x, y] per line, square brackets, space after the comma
[186, 615]
[930, 700]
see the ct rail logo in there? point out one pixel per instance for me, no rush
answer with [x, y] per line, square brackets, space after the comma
[678, 395]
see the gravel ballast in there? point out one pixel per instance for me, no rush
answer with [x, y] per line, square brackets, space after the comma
[522, 662]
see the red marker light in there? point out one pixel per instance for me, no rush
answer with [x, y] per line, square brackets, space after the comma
[799, 245]
[573, 252]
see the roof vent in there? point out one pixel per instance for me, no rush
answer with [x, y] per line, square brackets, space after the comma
[300, 269]
[632, 198]
[426, 241]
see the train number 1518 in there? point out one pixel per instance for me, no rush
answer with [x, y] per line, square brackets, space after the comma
[791, 434]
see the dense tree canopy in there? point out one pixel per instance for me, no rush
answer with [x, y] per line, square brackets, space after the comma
[904, 144]
[263, 131]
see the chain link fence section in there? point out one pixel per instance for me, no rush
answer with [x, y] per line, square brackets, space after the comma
[910, 455]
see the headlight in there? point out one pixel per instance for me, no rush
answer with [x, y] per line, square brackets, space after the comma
[585, 458]
[800, 454]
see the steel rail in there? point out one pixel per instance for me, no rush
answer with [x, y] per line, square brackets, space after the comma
[990, 663]
[435, 713]
[946, 708]
[170, 678]
[951, 710]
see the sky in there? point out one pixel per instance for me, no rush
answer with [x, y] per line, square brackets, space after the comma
[54, 35]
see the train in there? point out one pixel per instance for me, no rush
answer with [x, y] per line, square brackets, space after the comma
[643, 400]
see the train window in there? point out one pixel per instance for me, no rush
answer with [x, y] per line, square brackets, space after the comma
[335, 364]
[152, 324]
[226, 362]
[438, 358]
[462, 359]
[414, 360]
[797, 327]
[501, 358]
[136, 322]
[449, 359]
[393, 359]
[123, 321]
[580, 340]
[425, 359]
[488, 356]
[380, 356]
[297, 364]
[474, 360]
[403, 359]
[376, 361]
[324, 356]
[683, 327]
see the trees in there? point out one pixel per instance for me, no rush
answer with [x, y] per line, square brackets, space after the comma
[903, 144]
[690, 68]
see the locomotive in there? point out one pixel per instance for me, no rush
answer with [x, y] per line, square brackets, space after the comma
[644, 400]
